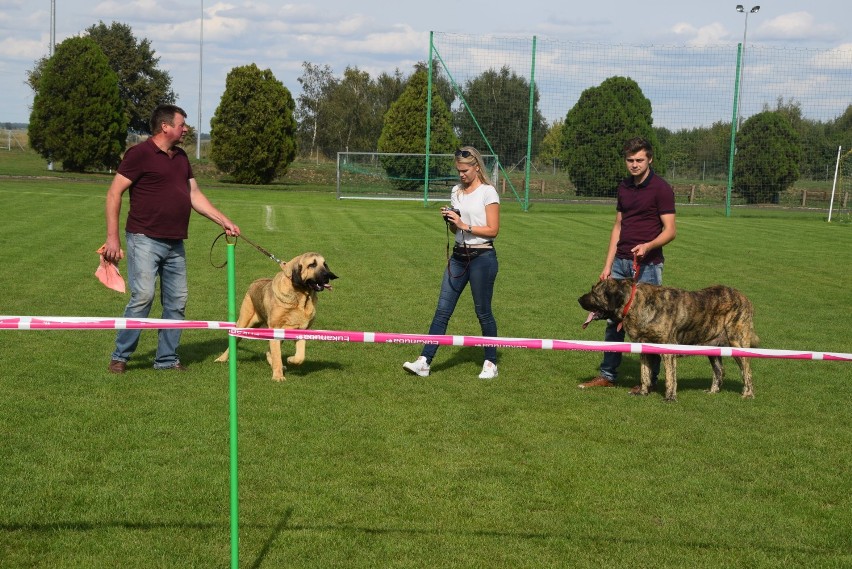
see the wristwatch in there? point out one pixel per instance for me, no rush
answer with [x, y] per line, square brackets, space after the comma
[469, 229]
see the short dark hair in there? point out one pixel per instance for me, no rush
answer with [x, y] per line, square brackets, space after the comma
[164, 113]
[637, 144]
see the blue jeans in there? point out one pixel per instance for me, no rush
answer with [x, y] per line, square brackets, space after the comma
[148, 258]
[481, 273]
[623, 269]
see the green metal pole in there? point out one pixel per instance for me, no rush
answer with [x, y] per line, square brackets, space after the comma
[232, 364]
[529, 129]
[733, 148]
[428, 121]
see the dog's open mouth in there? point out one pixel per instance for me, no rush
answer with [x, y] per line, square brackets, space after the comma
[592, 317]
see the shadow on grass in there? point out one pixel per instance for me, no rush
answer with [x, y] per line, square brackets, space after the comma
[458, 357]
[284, 526]
[247, 355]
[270, 540]
[629, 375]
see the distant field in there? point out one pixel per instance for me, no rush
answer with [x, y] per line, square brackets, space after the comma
[353, 463]
[545, 184]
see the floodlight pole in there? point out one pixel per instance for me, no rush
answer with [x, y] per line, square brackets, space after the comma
[754, 10]
[52, 48]
[52, 27]
[200, 67]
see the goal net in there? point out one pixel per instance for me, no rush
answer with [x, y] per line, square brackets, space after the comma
[840, 205]
[392, 176]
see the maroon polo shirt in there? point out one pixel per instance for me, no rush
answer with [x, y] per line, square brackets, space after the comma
[159, 193]
[641, 207]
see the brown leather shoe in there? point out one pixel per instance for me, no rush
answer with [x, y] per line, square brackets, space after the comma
[177, 367]
[597, 382]
[636, 389]
[117, 366]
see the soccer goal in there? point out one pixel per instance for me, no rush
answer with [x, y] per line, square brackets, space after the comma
[842, 187]
[392, 176]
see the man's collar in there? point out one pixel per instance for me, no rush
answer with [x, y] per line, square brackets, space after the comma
[644, 182]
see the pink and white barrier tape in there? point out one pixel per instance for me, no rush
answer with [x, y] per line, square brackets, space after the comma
[90, 323]
[479, 341]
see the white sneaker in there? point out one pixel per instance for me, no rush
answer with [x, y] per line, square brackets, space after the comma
[417, 367]
[489, 370]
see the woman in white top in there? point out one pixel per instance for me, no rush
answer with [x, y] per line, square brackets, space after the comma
[475, 216]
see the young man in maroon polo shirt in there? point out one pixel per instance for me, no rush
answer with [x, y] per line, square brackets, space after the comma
[644, 222]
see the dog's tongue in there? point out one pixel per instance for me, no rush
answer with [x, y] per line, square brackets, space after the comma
[590, 318]
[326, 286]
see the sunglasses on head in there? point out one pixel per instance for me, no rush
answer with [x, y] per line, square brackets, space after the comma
[464, 153]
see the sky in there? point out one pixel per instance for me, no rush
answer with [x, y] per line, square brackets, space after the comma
[380, 36]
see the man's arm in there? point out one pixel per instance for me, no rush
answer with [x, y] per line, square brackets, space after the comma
[667, 235]
[614, 236]
[202, 205]
[119, 185]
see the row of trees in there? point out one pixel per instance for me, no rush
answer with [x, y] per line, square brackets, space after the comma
[103, 84]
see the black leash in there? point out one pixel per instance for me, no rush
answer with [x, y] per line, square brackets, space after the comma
[247, 240]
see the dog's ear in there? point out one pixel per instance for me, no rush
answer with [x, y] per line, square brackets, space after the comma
[296, 275]
[615, 294]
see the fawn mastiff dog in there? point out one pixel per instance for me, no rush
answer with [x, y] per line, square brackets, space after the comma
[287, 300]
[714, 316]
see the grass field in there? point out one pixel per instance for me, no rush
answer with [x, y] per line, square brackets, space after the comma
[353, 463]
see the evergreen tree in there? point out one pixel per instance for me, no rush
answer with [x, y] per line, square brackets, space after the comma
[253, 132]
[405, 132]
[768, 156]
[596, 129]
[78, 117]
[141, 84]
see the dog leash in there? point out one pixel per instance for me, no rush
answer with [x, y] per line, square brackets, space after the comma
[247, 240]
[632, 292]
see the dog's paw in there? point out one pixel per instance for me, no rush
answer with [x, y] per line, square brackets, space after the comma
[293, 360]
[222, 358]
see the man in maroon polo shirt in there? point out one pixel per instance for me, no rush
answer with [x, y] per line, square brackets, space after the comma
[644, 222]
[163, 193]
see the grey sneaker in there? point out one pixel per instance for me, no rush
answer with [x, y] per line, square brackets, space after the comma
[417, 367]
[489, 370]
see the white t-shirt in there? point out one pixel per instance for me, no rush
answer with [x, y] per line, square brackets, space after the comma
[472, 208]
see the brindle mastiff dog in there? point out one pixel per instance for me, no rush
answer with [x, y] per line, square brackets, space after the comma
[286, 301]
[714, 316]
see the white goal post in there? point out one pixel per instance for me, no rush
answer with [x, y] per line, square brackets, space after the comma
[401, 176]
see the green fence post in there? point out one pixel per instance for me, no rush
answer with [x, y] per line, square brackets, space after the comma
[428, 122]
[733, 148]
[232, 366]
[529, 129]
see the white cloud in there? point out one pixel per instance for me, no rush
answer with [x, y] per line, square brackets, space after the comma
[794, 26]
[711, 34]
[376, 36]
[836, 59]
[28, 50]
